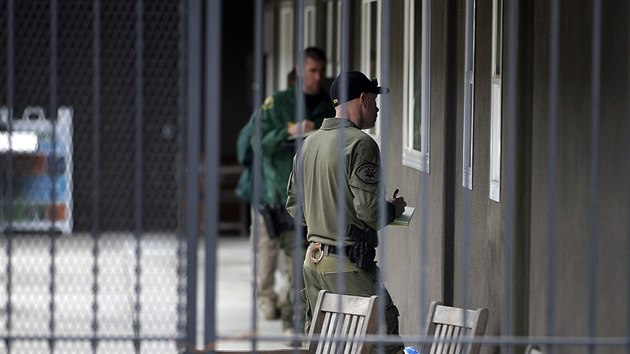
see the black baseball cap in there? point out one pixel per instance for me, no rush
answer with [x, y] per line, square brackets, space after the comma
[357, 83]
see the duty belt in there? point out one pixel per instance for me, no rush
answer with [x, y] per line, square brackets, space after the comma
[319, 250]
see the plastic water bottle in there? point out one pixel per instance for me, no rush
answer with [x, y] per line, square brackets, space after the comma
[411, 350]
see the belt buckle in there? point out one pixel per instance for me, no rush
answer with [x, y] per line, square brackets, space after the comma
[316, 247]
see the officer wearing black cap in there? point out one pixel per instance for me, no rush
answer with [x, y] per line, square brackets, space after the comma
[322, 185]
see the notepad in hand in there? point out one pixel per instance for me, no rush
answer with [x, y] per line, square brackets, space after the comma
[405, 218]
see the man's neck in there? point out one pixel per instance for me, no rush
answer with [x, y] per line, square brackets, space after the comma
[345, 111]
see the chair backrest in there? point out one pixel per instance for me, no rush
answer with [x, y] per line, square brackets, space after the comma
[533, 349]
[340, 323]
[447, 324]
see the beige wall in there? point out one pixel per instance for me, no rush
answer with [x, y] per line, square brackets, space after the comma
[482, 233]
[577, 217]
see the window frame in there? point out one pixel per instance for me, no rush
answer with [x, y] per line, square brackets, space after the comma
[310, 21]
[285, 34]
[418, 159]
[469, 97]
[366, 25]
[333, 39]
[268, 41]
[496, 105]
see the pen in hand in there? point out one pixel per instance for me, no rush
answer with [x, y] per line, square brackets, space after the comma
[395, 193]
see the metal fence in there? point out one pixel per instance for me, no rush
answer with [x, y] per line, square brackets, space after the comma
[92, 257]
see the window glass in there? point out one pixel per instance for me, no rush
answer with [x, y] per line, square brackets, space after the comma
[469, 94]
[496, 106]
[371, 49]
[417, 68]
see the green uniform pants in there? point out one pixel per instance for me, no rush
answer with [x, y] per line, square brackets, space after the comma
[358, 282]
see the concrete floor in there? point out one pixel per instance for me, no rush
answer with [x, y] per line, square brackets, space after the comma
[29, 287]
[234, 297]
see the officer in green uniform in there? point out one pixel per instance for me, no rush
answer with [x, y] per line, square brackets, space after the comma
[279, 128]
[321, 187]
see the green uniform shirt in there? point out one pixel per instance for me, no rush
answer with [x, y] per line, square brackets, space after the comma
[322, 184]
[276, 113]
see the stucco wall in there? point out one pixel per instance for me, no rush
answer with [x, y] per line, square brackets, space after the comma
[413, 270]
[589, 225]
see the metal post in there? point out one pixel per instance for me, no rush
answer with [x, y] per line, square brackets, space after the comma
[96, 158]
[193, 103]
[212, 83]
[139, 81]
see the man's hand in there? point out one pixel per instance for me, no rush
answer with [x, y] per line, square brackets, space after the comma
[306, 126]
[399, 204]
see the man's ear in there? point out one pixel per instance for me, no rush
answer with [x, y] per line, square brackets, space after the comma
[363, 98]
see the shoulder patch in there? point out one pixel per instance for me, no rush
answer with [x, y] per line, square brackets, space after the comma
[369, 173]
[268, 104]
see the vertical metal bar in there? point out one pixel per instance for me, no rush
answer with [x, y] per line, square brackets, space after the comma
[300, 112]
[344, 55]
[468, 129]
[384, 124]
[450, 124]
[554, 24]
[181, 166]
[9, 177]
[193, 104]
[299, 55]
[96, 161]
[465, 243]
[212, 129]
[511, 156]
[628, 200]
[341, 168]
[139, 81]
[257, 88]
[53, 119]
[424, 182]
[594, 167]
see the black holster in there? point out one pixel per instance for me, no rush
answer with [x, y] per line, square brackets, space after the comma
[363, 253]
[277, 219]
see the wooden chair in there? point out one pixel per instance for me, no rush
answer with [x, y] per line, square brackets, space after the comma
[446, 324]
[340, 322]
[533, 349]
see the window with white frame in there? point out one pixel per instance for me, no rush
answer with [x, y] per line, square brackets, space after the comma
[309, 25]
[495, 115]
[268, 39]
[285, 36]
[469, 94]
[417, 66]
[333, 40]
[371, 48]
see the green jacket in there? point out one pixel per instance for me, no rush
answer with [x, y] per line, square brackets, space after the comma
[276, 113]
[245, 156]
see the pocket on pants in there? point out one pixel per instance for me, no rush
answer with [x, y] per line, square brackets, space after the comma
[309, 311]
[354, 282]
